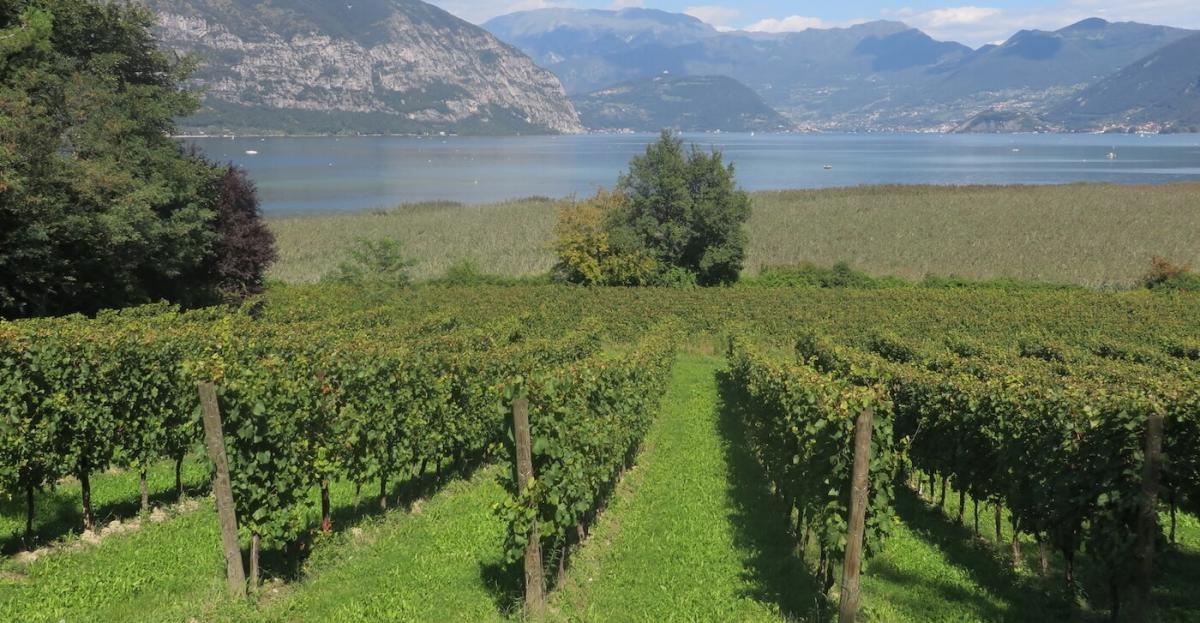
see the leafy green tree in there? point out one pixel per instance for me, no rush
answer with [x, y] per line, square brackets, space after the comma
[99, 206]
[685, 210]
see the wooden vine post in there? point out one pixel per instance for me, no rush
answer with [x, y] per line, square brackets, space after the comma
[1147, 521]
[214, 440]
[535, 597]
[856, 530]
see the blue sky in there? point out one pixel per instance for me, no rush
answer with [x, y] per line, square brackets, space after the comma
[972, 23]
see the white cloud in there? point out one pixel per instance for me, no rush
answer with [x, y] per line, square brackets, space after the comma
[792, 23]
[479, 11]
[627, 4]
[976, 25]
[959, 15]
[718, 16]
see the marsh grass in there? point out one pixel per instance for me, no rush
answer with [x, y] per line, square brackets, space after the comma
[510, 239]
[1089, 234]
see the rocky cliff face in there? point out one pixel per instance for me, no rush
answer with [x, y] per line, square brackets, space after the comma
[376, 66]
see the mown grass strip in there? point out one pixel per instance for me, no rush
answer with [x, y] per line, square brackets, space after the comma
[440, 561]
[435, 559]
[687, 538]
[144, 575]
[58, 513]
[936, 569]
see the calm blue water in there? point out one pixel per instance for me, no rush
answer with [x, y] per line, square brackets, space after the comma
[301, 174]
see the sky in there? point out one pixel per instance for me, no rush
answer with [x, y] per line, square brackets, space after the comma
[972, 24]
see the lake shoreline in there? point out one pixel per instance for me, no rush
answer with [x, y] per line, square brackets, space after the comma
[332, 174]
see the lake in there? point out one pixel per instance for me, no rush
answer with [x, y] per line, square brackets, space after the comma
[355, 173]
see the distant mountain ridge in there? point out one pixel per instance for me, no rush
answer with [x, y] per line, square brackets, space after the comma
[589, 49]
[877, 75]
[686, 103]
[1081, 53]
[1158, 92]
[370, 66]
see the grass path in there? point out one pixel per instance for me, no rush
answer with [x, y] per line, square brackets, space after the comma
[58, 513]
[680, 542]
[126, 577]
[439, 562]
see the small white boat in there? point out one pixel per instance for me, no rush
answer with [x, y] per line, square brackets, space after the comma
[251, 152]
[828, 167]
[1112, 155]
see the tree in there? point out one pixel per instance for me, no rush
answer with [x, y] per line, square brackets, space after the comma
[245, 247]
[685, 210]
[587, 250]
[99, 206]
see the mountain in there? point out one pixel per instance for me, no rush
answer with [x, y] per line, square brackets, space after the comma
[370, 66]
[818, 77]
[1079, 54]
[1160, 91]
[877, 75]
[687, 103]
[1033, 71]
[589, 49]
[1003, 122]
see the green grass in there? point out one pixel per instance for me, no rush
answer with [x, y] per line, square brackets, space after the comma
[1087, 234]
[691, 534]
[432, 559]
[433, 563]
[511, 239]
[58, 513]
[936, 569]
[148, 575]
[933, 570]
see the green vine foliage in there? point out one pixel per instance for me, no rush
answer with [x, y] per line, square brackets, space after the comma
[28, 461]
[587, 420]
[1058, 440]
[371, 397]
[301, 409]
[83, 395]
[801, 423]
